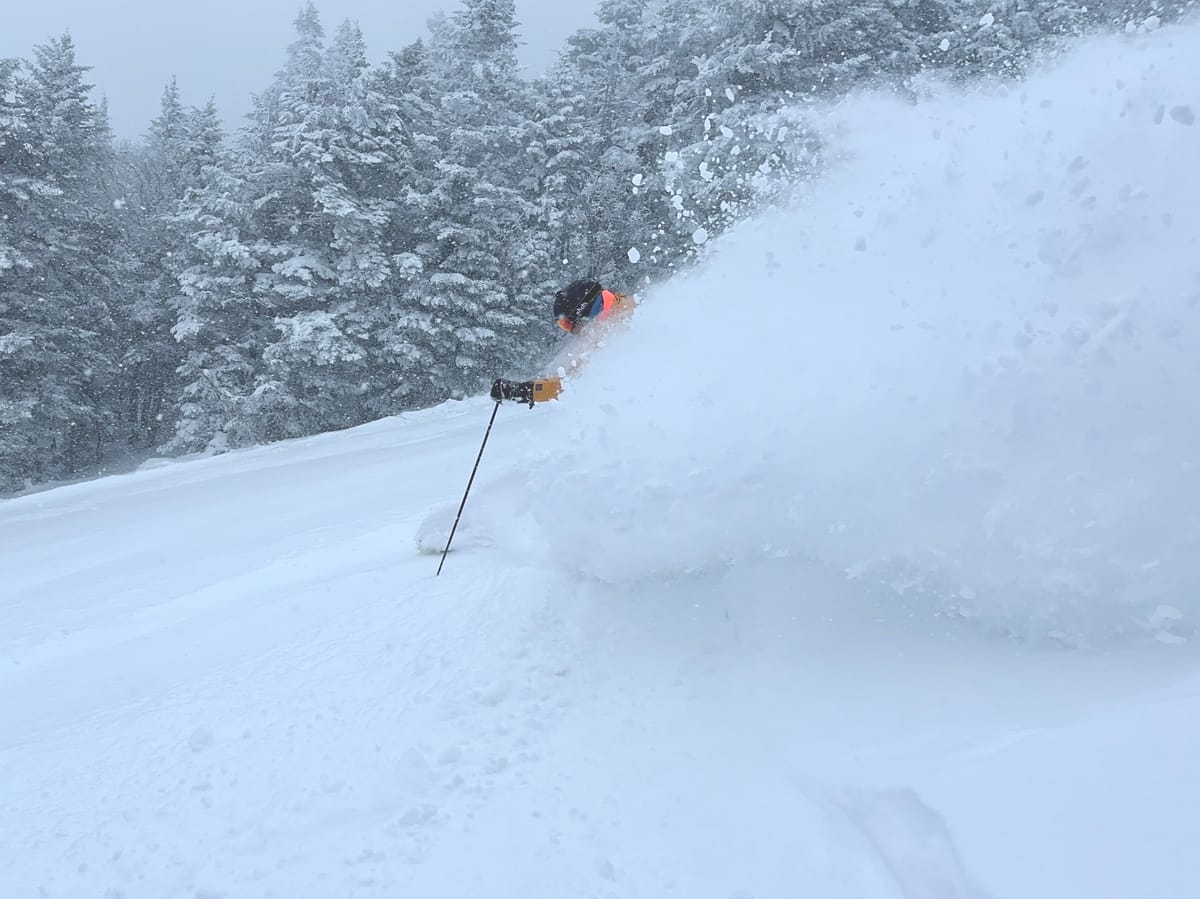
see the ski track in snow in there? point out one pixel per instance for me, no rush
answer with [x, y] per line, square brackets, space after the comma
[237, 676]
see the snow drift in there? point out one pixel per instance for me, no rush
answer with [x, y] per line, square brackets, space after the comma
[960, 369]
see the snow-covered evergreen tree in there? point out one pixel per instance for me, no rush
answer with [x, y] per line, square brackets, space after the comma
[737, 137]
[57, 338]
[593, 133]
[321, 222]
[485, 226]
[294, 253]
[181, 146]
[405, 336]
[24, 191]
[219, 324]
[22, 172]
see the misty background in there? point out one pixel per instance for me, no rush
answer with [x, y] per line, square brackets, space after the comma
[228, 49]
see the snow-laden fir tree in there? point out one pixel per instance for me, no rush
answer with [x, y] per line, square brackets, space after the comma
[292, 254]
[334, 141]
[591, 126]
[24, 191]
[220, 325]
[57, 340]
[483, 314]
[179, 152]
[738, 137]
[406, 339]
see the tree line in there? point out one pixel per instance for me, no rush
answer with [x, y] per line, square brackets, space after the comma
[383, 237]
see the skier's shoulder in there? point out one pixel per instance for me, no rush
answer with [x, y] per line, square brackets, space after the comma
[623, 303]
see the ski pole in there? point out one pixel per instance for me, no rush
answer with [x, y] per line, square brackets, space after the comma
[466, 492]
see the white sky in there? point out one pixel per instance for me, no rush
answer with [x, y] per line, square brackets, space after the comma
[228, 49]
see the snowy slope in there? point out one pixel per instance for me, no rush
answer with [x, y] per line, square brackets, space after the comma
[883, 588]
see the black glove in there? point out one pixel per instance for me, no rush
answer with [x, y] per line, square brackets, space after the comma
[517, 391]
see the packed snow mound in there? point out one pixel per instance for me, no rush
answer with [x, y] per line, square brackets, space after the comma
[961, 369]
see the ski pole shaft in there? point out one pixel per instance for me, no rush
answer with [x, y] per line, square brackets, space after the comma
[467, 492]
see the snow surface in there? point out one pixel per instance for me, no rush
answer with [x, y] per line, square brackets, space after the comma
[879, 582]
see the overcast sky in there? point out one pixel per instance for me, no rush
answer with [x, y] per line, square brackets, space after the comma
[228, 49]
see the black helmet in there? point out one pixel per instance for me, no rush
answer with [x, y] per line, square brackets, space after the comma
[574, 301]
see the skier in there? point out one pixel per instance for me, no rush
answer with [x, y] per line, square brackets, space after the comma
[576, 307]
